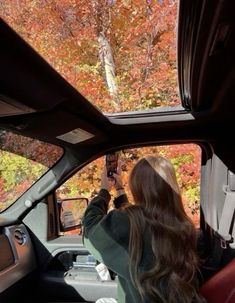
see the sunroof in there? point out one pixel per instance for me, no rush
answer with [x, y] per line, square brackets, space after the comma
[119, 54]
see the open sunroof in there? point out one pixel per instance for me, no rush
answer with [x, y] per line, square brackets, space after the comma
[120, 55]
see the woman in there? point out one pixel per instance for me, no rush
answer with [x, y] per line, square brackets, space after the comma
[151, 245]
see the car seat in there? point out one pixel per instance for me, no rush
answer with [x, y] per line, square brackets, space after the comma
[220, 288]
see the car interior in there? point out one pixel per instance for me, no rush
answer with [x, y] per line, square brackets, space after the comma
[42, 256]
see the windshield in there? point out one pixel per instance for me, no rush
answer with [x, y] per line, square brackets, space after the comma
[121, 55]
[23, 160]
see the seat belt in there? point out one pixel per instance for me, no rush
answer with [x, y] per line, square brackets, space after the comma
[225, 234]
[226, 229]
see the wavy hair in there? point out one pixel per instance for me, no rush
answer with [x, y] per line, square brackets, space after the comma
[159, 210]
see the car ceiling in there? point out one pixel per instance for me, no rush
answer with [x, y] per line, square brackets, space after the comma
[50, 106]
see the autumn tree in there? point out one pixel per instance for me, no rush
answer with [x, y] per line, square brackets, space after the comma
[120, 54]
[22, 161]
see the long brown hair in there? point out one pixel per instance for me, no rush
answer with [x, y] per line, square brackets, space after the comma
[159, 210]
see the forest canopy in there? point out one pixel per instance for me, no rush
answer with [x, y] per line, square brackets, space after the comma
[119, 54]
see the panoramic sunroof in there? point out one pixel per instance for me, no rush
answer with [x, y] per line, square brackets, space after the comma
[119, 54]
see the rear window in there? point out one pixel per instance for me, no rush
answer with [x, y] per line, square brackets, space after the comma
[23, 160]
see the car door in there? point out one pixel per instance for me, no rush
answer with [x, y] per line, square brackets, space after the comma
[68, 272]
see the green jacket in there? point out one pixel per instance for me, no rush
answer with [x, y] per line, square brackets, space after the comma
[106, 236]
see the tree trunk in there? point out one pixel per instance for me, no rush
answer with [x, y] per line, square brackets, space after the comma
[108, 66]
[103, 21]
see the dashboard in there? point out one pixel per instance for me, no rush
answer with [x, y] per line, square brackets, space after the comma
[17, 257]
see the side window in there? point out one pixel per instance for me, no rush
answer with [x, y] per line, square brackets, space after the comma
[23, 160]
[186, 159]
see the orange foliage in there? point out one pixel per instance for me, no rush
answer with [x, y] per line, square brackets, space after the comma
[141, 35]
[142, 40]
[184, 157]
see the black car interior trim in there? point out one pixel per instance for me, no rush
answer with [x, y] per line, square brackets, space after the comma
[19, 257]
